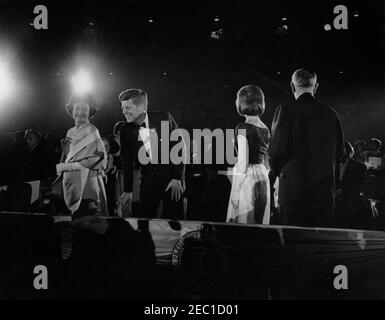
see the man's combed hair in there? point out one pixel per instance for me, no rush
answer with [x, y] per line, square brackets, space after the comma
[250, 101]
[303, 78]
[138, 96]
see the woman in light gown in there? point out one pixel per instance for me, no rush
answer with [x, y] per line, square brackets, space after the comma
[82, 162]
[250, 193]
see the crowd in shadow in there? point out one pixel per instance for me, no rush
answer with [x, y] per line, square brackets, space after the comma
[360, 193]
[116, 264]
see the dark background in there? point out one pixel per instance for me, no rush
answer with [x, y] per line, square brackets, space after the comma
[183, 69]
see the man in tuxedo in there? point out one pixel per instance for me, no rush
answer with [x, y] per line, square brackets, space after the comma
[159, 183]
[305, 149]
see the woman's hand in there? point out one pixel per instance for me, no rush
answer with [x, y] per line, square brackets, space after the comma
[68, 166]
[65, 145]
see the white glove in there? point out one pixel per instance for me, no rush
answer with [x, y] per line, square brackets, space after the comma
[70, 166]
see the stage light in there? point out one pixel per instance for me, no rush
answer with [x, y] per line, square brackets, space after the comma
[216, 19]
[284, 18]
[327, 27]
[150, 20]
[7, 85]
[81, 82]
[356, 15]
[217, 35]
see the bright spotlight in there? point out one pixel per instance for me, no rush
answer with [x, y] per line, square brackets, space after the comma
[81, 82]
[7, 85]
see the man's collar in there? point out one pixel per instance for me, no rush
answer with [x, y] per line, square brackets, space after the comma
[144, 122]
[305, 95]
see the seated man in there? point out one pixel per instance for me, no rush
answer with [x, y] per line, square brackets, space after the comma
[352, 207]
[376, 170]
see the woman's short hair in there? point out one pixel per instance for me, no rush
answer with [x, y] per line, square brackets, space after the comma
[87, 99]
[250, 101]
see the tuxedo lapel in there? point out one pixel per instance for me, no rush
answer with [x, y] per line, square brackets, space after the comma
[150, 125]
[154, 136]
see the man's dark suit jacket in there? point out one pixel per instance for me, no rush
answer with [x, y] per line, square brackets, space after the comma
[354, 177]
[306, 145]
[154, 177]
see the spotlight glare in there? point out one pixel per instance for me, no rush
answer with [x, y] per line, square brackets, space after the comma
[81, 82]
[7, 85]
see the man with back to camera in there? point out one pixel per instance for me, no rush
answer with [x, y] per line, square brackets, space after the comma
[305, 149]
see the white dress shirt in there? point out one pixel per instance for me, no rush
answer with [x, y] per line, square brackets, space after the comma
[144, 133]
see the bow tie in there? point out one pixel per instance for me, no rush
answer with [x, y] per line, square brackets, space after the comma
[142, 125]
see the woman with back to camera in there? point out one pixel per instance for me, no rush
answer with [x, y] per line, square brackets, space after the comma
[82, 162]
[250, 192]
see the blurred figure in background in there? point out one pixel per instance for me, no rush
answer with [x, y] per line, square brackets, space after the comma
[374, 155]
[352, 207]
[34, 162]
[119, 189]
[15, 157]
[112, 148]
[375, 162]
[33, 139]
[360, 148]
[19, 141]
